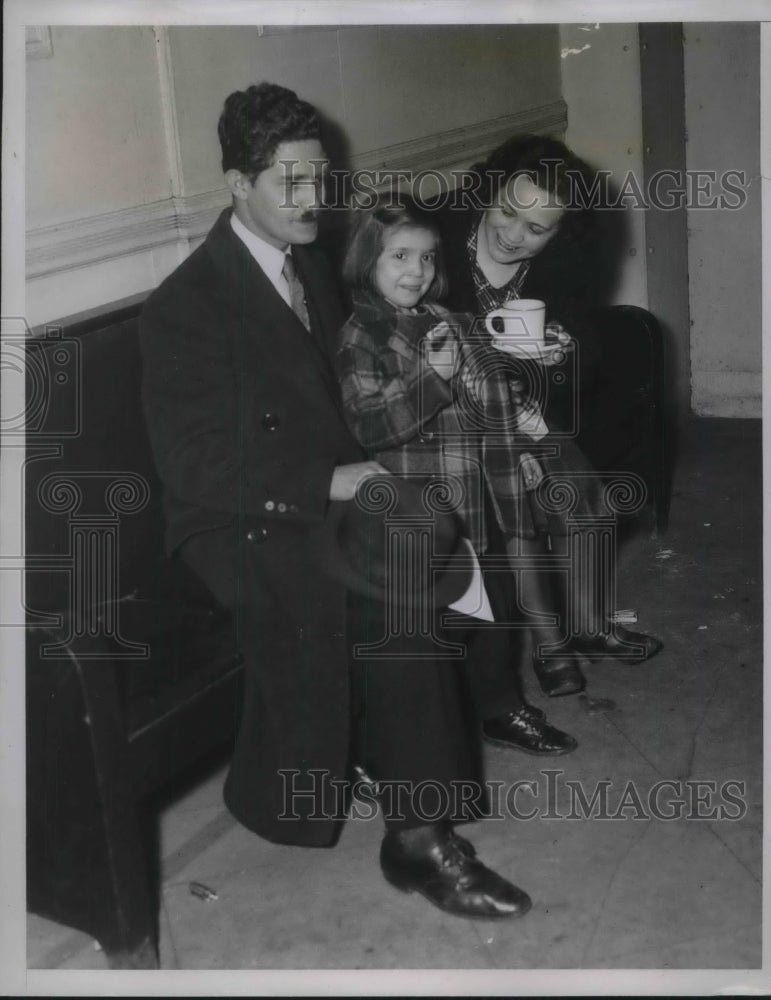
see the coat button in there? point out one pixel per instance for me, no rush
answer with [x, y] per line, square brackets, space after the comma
[269, 505]
[282, 508]
[270, 421]
[257, 535]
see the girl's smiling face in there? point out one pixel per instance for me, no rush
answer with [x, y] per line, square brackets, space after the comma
[406, 266]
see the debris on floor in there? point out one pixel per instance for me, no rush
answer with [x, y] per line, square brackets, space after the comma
[625, 616]
[203, 892]
[592, 705]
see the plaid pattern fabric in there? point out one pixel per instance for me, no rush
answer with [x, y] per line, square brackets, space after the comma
[488, 297]
[414, 423]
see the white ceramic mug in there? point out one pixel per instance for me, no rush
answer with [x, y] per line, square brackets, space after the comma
[522, 321]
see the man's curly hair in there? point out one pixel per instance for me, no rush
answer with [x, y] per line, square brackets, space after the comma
[256, 121]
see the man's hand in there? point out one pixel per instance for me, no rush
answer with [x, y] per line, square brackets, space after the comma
[346, 478]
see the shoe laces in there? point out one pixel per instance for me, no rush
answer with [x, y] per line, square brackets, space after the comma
[457, 851]
[523, 715]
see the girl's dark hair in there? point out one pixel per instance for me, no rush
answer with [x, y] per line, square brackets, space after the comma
[367, 238]
[551, 166]
[254, 123]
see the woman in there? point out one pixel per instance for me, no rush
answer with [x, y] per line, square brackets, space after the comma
[528, 230]
[502, 240]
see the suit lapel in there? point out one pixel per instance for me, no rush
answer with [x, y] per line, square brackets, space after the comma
[257, 299]
[322, 296]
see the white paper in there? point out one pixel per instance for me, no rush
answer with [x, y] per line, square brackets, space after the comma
[475, 601]
[531, 422]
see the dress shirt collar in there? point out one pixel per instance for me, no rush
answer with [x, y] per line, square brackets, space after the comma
[270, 259]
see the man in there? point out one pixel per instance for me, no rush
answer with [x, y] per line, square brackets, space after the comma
[250, 443]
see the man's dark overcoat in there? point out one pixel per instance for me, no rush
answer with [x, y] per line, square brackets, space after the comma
[242, 410]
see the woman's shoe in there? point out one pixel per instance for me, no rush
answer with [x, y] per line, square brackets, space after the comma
[619, 644]
[559, 675]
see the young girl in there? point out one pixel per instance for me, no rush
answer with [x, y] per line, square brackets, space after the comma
[425, 392]
[398, 357]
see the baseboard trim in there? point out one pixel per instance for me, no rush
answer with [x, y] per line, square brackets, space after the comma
[727, 394]
[445, 149]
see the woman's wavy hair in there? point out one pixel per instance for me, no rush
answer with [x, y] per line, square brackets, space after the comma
[367, 237]
[551, 166]
[254, 123]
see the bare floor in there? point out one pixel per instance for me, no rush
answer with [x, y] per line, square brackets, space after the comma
[634, 890]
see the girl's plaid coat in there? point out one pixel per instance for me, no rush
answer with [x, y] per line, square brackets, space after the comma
[463, 432]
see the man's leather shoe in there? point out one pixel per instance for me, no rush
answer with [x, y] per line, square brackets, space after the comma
[558, 676]
[618, 644]
[524, 731]
[447, 872]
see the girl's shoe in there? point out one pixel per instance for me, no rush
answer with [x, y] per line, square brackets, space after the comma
[558, 675]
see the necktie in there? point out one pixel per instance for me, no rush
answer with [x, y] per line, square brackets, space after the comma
[296, 291]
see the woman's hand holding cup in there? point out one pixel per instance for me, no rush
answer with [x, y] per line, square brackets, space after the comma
[556, 331]
[518, 328]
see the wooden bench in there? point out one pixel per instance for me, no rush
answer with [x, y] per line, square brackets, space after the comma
[132, 675]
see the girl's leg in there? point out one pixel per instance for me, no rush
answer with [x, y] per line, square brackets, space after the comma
[555, 666]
